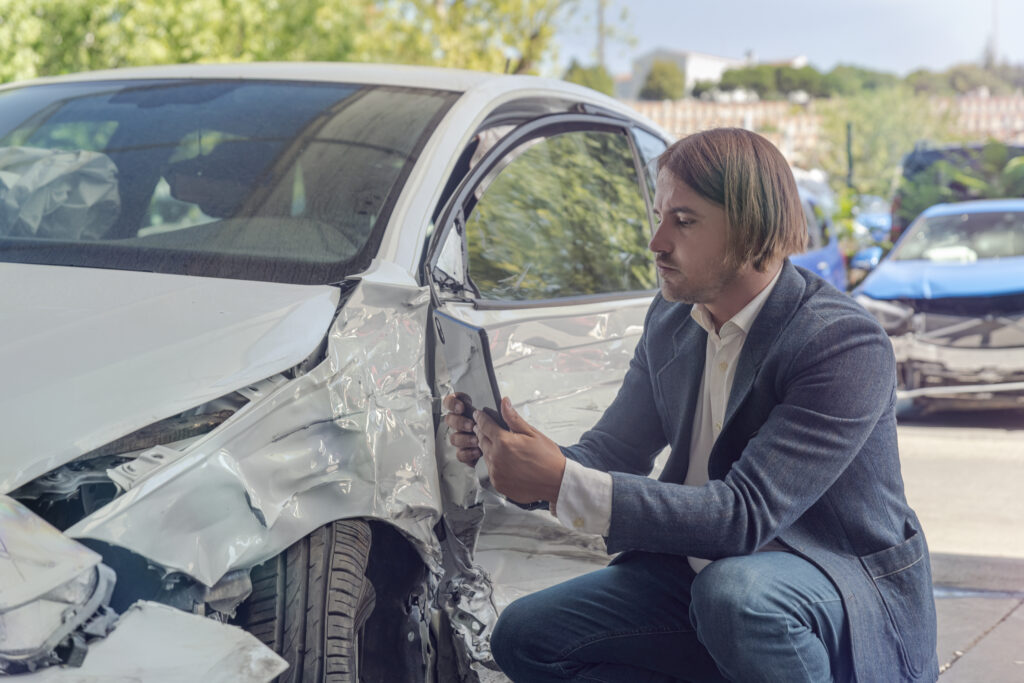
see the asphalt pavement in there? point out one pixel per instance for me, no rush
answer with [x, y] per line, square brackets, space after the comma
[965, 477]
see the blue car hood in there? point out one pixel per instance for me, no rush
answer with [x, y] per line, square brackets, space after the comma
[928, 280]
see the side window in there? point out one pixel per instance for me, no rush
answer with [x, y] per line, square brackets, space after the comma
[563, 216]
[650, 148]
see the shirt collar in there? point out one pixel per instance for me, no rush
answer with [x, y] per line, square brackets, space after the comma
[740, 322]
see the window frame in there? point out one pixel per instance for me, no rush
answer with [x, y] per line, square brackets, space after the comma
[453, 216]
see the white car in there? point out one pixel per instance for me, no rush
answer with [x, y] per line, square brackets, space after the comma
[220, 404]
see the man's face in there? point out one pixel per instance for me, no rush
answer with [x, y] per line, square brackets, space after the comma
[690, 243]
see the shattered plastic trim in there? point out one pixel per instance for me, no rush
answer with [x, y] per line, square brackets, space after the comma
[352, 438]
[148, 643]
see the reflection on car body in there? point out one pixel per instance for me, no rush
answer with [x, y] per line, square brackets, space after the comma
[221, 386]
[951, 297]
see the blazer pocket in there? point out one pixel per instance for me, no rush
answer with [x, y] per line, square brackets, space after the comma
[902, 576]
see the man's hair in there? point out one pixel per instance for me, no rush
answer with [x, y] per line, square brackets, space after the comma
[748, 176]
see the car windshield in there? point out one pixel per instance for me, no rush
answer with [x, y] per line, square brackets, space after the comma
[261, 180]
[963, 237]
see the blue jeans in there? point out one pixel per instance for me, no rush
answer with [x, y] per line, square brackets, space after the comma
[770, 616]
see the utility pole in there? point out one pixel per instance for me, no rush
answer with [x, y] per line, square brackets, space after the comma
[601, 4]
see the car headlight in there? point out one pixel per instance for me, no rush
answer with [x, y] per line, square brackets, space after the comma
[50, 585]
[894, 317]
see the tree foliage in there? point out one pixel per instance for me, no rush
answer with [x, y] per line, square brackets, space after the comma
[772, 81]
[595, 77]
[46, 37]
[885, 125]
[992, 171]
[665, 81]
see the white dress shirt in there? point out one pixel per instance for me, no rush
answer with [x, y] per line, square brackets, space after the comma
[585, 497]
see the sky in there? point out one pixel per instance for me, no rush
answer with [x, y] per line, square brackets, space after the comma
[897, 36]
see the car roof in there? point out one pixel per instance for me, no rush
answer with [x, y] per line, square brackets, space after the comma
[975, 206]
[337, 72]
[485, 85]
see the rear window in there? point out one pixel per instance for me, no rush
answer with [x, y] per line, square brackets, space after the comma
[263, 180]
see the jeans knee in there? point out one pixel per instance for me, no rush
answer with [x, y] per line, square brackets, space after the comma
[722, 597]
[510, 637]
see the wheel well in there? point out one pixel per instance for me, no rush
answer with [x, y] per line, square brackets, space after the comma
[396, 645]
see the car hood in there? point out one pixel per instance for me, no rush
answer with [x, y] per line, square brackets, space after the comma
[929, 280]
[88, 355]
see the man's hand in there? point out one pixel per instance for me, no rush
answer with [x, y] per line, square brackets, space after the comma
[462, 425]
[523, 464]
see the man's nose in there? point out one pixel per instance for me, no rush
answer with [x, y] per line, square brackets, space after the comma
[658, 243]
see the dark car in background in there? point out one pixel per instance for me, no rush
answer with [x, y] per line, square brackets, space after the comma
[951, 297]
[951, 173]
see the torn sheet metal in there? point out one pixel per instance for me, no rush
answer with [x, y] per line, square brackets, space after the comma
[352, 438]
[35, 558]
[57, 194]
[160, 644]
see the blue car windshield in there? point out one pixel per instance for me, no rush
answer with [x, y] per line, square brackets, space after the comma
[262, 180]
[963, 238]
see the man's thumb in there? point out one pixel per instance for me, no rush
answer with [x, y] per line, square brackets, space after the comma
[514, 420]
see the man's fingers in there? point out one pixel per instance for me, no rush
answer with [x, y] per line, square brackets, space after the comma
[468, 455]
[455, 403]
[459, 423]
[514, 420]
[463, 440]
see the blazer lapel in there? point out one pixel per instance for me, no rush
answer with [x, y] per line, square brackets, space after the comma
[778, 309]
[679, 383]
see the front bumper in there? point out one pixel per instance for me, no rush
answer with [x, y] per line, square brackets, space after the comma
[983, 377]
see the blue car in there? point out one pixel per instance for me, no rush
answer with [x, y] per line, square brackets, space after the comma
[951, 296]
[823, 255]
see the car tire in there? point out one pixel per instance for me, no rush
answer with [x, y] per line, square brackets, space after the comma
[310, 603]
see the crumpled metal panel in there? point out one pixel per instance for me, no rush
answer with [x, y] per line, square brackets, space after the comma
[34, 557]
[160, 644]
[352, 438]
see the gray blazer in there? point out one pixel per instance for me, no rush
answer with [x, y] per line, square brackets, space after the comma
[807, 455]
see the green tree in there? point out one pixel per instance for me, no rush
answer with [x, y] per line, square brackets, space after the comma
[596, 77]
[808, 79]
[846, 79]
[45, 37]
[701, 87]
[760, 79]
[927, 82]
[964, 78]
[885, 125]
[991, 172]
[665, 81]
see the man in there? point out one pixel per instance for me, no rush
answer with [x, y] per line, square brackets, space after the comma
[777, 544]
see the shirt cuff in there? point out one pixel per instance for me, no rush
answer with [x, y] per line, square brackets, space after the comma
[585, 499]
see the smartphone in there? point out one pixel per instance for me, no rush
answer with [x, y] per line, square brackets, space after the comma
[467, 352]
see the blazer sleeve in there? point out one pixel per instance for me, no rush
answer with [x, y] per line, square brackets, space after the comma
[830, 394]
[629, 435]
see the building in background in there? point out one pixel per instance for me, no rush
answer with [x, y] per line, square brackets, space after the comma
[695, 66]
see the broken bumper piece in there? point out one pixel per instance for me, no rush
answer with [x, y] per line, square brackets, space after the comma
[160, 644]
[55, 624]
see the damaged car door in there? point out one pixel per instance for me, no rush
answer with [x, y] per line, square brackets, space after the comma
[544, 246]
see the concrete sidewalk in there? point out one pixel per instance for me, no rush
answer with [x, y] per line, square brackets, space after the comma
[980, 603]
